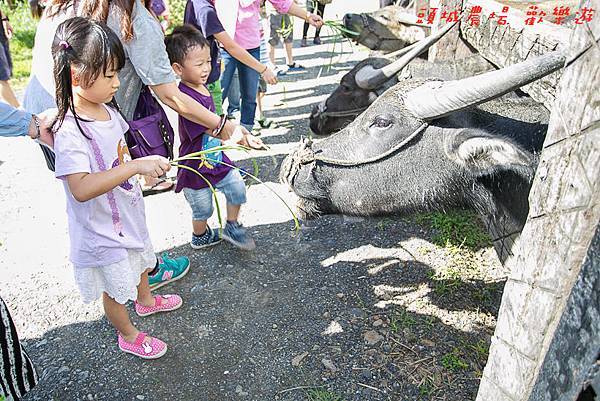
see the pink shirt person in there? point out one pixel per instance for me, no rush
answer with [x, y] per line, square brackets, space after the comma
[247, 24]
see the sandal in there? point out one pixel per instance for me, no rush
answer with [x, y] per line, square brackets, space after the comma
[163, 185]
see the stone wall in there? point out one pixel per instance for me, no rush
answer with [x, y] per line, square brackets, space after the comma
[564, 215]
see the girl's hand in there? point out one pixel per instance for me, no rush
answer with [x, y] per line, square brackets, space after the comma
[269, 76]
[154, 166]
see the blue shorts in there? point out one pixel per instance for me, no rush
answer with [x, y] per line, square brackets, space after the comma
[201, 200]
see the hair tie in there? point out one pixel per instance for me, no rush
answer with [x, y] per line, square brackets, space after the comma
[64, 44]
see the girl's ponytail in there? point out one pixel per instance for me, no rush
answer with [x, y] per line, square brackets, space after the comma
[63, 80]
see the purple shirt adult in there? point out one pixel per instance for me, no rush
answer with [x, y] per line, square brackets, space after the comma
[202, 15]
[191, 135]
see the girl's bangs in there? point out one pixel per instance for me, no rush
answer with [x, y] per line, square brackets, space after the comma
[116, 55]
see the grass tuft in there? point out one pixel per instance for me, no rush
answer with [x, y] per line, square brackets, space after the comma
[316, 394]
[453, 362]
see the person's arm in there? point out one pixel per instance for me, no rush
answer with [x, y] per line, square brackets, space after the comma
[14, 122]
[242, 55]
[188, 108]
[313, 19]
[149, 58]
[297, 11]
[86, 186]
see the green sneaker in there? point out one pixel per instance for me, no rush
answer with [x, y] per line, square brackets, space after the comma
[169, 270]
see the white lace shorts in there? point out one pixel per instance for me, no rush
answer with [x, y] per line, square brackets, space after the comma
[119, 280]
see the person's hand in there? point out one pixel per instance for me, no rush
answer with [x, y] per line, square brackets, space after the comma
[231, 130]
[269, 76]
[46, 118]
[315, 20]
[154, 166]
[8, 29]
[252, 142]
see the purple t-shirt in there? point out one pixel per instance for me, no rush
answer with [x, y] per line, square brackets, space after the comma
[103, 228]
[202, 15]
[190, 135]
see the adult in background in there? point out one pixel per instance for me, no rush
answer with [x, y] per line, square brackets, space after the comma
[311, 6]
[241, 21]
[203, 15]
[281, 26]
[6, 92]
[18, 374]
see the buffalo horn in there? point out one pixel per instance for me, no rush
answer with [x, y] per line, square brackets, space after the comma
[370, 78]
[409, 19]
[401, 52]
[436, 99]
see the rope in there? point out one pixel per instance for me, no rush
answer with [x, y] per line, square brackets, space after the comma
[309, 155]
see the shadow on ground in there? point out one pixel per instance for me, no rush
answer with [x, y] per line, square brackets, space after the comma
[248, 315]
[345, 307]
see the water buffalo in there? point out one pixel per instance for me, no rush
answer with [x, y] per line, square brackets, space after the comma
[371, 77]
[387, 29]
[428, 145]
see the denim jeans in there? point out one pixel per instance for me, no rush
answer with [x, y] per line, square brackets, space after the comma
[233, 97]
[201, 200]
[248, 84]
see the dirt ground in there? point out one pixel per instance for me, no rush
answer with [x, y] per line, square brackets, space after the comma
[344, 309]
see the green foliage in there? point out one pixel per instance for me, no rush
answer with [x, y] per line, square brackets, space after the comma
[459, 228]
[452, 361]
[22, 42]
[426, 387]
[316, 394]
[177, 8]
[481, 348]
[460, 233]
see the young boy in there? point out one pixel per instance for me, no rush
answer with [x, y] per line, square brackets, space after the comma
[189, 53]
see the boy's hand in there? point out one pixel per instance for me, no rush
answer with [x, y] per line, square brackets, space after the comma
[154, 166]
[230, 130]
[252, 142]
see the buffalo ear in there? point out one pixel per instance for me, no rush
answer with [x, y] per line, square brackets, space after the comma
[486, 154]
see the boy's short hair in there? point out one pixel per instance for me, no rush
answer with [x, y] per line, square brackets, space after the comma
[182, 40]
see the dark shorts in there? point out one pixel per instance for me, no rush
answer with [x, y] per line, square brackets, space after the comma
[5, 60]
[279, 23]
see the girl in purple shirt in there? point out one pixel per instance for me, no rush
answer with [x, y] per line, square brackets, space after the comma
[110, 246]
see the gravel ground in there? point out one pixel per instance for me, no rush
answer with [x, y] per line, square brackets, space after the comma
[343, 308]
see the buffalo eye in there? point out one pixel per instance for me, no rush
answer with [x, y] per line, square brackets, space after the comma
[381, 122]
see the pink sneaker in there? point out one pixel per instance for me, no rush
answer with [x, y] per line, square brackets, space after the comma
[142, 348]
[169, 303]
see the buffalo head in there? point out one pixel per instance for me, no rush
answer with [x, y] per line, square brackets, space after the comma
[348, 100]
[424, 145]
[361, 86]
[387, 29]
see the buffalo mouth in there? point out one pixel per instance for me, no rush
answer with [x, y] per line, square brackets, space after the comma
[298, 178]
